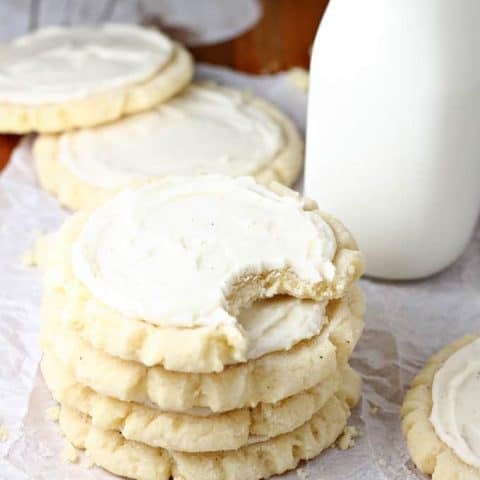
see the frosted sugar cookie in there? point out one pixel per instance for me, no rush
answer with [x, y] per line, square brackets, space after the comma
[111, 451]
[179, 260]
[57, 78]
[441, 414]
[270, 325]
[205, 129]
[188, 432]
[237, 386]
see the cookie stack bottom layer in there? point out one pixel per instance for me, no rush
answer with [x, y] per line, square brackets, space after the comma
[111, 451]
[194, 431]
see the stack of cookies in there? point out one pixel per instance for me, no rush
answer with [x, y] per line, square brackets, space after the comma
[201, 328]
[195, 326]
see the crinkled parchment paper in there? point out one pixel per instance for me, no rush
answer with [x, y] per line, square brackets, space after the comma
[406, 323]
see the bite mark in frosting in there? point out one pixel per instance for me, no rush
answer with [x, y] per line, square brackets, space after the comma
[168, 252]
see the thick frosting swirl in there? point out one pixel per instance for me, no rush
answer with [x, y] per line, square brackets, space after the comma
[168, 252]
[203, 130]
[456, 403]
[58, 64]
[280, 322]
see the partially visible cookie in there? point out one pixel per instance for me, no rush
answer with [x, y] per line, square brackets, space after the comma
[237, 386]
[60, 78]
[441, 414]
[205, 129]
[111, 451]
[189, 432]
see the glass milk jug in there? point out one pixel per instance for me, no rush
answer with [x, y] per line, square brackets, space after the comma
[393, 131]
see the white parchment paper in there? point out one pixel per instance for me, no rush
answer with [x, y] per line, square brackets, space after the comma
[406, 323]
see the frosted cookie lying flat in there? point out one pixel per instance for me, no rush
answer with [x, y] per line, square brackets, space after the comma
[441, 415]
[183, 432]
[238, 386]
[58, 78]
[178, 261]
[205, 129]
[111, 451]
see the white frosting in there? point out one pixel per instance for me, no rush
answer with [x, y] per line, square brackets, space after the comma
[456, 403]
[58, 64]
[168, 252]
[279, 323]
[204, 130]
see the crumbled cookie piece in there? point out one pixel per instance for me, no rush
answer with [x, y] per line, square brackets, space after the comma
[52, 413]
[70, 453]
[89, 463]
[272, 66]
[3, 434]
[299, 78]
[374, 410]
[302, 474]
[347, 439]
[28, 258]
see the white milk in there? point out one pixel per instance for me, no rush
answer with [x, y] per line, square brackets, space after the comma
[393, 133]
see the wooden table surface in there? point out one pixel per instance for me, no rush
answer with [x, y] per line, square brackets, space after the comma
[280, 40]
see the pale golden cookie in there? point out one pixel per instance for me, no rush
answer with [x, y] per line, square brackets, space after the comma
[237, 386]
[99, 108]
[114, 453]
[427, 450]
[206, 348]
[75, 193]
[189, 433]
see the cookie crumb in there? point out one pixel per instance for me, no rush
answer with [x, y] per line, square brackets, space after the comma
[347, 439]
[70, 453]
[382, 462]
[374, 410]
[302, 474]
[3, 434]
[299, 78]
[28, 258]
[52, 413]
[272, 66]
[89, 463]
